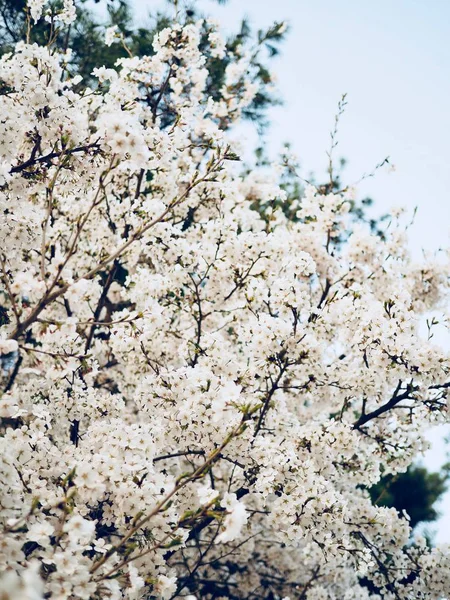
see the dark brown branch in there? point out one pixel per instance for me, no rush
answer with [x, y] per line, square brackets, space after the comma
[176, 454]
[323, 297]
[396, 398]
[14, 374]
[48, 157]
[268, 398]
[139, 184]
[101, 304]
[161, 94]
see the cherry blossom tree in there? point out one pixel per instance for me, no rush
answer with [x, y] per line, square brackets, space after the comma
[197, 395]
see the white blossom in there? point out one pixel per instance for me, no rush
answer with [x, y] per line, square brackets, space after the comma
[197, 392]
[235, 519]
[110, 35]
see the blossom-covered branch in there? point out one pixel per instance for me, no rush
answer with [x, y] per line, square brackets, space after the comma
[198, 388]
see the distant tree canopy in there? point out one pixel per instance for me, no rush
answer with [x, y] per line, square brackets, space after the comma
[415, 491]
[86, 35]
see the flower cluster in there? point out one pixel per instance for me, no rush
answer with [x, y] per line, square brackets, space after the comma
[196, 397]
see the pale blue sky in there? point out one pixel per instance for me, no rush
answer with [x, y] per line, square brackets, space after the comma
[392, 58]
